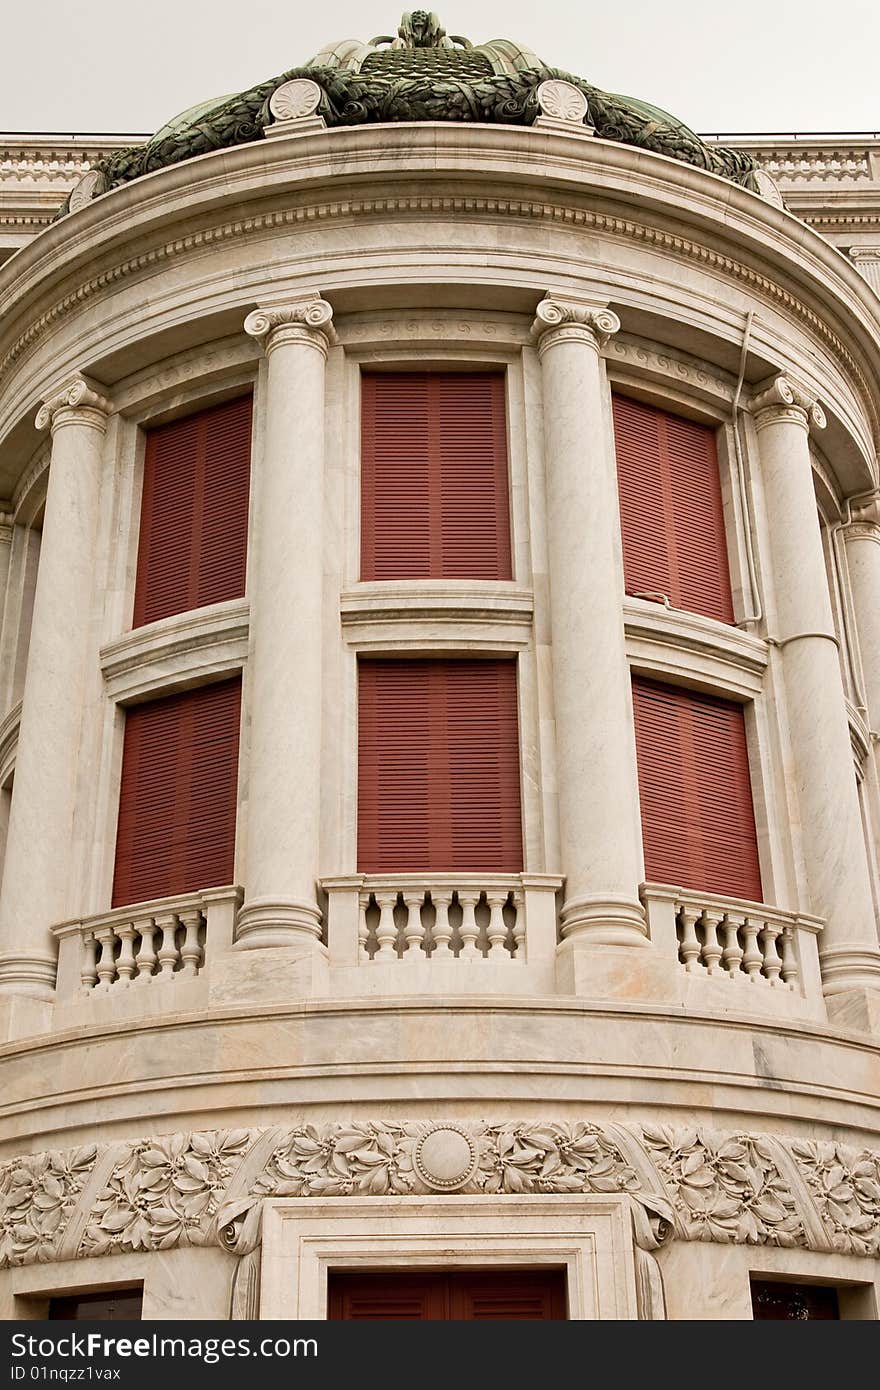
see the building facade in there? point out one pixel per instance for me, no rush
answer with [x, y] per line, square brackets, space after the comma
[440, 692]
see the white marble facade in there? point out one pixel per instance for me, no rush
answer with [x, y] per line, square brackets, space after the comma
[672, 1131]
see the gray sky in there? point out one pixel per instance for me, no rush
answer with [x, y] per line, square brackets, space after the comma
[747, 65]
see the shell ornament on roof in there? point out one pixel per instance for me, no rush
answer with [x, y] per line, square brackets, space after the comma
[421, 75]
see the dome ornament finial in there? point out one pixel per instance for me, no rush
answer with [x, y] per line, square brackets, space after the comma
[420, 29]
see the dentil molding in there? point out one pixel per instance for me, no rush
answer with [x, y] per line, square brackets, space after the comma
[202, 1188]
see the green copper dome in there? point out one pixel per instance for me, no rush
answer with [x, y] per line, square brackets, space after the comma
[421, 74]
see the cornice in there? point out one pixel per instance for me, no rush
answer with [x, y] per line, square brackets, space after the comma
[670, 186]
[207, 1187]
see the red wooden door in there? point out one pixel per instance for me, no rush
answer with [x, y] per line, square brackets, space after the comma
[671, 512]
[177, 803]
[438, 767]
[455, 1295]
[698, 820]
[194, 510]
[434, 491]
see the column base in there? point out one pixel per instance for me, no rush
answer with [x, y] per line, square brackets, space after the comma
[608, 921]
[272, 975]
[849, 967]
[858, 1009]
[266, 922]
[31, 977]
[595, 971]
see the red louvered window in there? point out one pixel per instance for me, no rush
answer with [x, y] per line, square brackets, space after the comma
[698, 820]
[194, 512]
[176, 831]
[438, 769]
[457, 1295]
[671, 513]
[434, 494]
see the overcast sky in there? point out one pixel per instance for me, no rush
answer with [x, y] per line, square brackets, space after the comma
[745, 65]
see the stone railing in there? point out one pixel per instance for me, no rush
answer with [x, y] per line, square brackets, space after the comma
[738, 945]
[151, 944]
[436, 920]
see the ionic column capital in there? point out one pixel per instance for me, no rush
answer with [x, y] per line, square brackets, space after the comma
[559, 320]
[76, 403]
[307, 320]
[863, 522]
[784, 400]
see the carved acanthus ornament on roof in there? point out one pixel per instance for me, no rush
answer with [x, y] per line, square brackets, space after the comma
[421, 75]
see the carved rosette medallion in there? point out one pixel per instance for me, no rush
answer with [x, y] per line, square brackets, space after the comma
[445, 1158]
[562, 101]
[295, 100]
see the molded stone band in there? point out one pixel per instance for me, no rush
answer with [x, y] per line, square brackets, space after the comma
[202, 1188]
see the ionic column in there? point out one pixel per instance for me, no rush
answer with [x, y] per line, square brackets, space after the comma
[831, 830]
[862, 538]
[37, 871]
[596, 757]
[284, 677]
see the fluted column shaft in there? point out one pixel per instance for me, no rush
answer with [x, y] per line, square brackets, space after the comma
[285, 590]
[862, 537]
[37, 869]
[833, 841]
[596, 758]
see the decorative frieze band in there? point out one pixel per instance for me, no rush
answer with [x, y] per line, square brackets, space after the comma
[784, 399]
[77, 396]
[555, 318]
[206, 1187]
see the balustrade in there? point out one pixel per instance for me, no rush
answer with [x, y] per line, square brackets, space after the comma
[145, 944]
[733, 941]
[432, 920]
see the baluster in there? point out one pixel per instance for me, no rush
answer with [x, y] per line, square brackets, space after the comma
[689, 942]
[772, 962]
[497, 931]
[731, 956]
[167, 956]
[753, 957]
[790, 971]
[519, 928]
[386, 931]
[125, 963]
[146, 956]
[468, 931]
[413, 931]
[89, 972]
[106, 963]
[191, 951]
[363, 929]
[711, 944]
[442, 931]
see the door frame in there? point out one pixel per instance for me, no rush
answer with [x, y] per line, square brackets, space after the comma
[587, 1235]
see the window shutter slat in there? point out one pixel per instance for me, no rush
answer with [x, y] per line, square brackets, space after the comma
[194, 510]
[671, 511]
[434, 489]
[177, 802]
[439, 785]
[698, 821]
